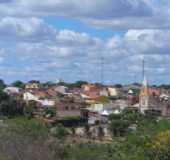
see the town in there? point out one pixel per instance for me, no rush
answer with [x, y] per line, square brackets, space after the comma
[82, 103]
[84, 80]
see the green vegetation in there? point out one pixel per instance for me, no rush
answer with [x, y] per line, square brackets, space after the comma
[31, 127]
[150, 140]
[118, 86]
[102, 99]
[77, 84]
[160, 146]
[10, 106]
[18, 84]
[2, 84]
[114, 98]
[59, 131]
[29, 109]
[48, 112]
[73, 121]
[135, 137]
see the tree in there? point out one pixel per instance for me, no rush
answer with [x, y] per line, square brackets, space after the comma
[9, 106]
[131, 115]
[48, 84]
[102, 99]
[100, 132]
[59, 131]
[48, 112]
[2, 84]
[18, 84]
[115, 117]
[3, 96]
[119, 127]
[159, 149]
[118, 85]
[78, 84]
[87, 130]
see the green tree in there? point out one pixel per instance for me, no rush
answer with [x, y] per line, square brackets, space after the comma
[159, 149]
[78, 84]
[119, 127]
[100, 132]
[2, 84]
[18, 84]
[115, 117]
[87, 130]
[118, 86]
[48, 112]
[59, 131]
[10, 106]
[48, 84]
[131, 115]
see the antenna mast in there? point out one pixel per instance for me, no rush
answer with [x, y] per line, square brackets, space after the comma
[102, 70]
[143, 68]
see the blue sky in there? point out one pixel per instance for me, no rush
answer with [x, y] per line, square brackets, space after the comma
[78, 26]
[67, 38]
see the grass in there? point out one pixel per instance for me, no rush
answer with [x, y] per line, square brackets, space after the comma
[32, 127]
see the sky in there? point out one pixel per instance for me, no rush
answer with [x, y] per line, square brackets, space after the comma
[66, 39]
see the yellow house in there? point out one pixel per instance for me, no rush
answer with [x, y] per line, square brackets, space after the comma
[32, 85]
[113, 91]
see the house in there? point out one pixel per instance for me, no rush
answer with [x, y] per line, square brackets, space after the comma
[99, 112]
[154, 91]
[164, 96]
[113, 91]
[90, 91]
[51, 93]
[40, 98]
[67, 107]
[32, 85]
[166, 109]
[47, 103]
[104, 92]
[61, 89]
[92, 94]
[12, 90]
[28, 96]
[88, 87]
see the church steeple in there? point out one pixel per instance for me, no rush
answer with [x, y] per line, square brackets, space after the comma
[144, 96]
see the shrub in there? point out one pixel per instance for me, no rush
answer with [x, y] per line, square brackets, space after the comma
[10, 106]
[32, 127]
[59, 131]
[49, 112]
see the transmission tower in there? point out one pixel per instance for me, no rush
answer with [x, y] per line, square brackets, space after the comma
[102, 70]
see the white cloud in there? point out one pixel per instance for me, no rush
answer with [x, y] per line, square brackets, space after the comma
[28, 29]
[35, 49]
[126, 14]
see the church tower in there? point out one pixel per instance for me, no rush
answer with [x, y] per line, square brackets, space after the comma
[144, 95]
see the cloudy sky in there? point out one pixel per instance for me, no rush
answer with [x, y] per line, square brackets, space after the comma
[66, 39]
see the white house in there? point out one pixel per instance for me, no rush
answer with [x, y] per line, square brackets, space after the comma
[113, 91]
[27, 96]
[47, 103]
[164, 96]
[12, 90]
[104, 92]
[61, 89]
[44, 102]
